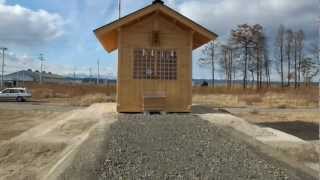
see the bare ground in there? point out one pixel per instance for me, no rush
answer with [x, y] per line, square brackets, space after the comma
[46, 138]
[14, 122]
[36, 138]
[302, 123]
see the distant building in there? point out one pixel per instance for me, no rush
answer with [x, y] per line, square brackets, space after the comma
[33, 76]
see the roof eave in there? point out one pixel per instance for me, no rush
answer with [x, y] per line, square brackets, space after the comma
[115, 25]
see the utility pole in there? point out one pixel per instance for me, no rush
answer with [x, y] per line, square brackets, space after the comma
[98, 77]
[23, 71]
[41, 58]
[119, 8]
[23, 78]
[2, 72]
[90, 75]
[74, 74]
[18, 77]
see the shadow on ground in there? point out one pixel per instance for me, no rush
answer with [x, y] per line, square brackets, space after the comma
[202, 109]
[304, 130]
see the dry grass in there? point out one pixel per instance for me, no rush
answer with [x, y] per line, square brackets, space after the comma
[218, 101]
[89, 99]
[269, 117]
[306, 97]
[68, 91]
[222, 97]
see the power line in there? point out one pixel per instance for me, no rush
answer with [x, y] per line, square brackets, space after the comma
[3, 49]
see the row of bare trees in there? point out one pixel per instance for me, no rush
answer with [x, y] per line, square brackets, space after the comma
[290, 51]
[247, 55]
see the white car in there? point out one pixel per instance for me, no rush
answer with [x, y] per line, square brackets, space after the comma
[17, 94]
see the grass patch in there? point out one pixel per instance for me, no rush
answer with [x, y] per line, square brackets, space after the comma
[306, 97]
[90, 99]
[220, 97]
[68, 91]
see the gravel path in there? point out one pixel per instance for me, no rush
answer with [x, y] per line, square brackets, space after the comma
[183, 147]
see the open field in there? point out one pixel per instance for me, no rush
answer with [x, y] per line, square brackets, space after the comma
[268, 106]
[45, 91]
[218, 97]
[221, 97]
[35, 135]
[51, 133]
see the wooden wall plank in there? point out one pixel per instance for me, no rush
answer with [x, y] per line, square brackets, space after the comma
[131, 91]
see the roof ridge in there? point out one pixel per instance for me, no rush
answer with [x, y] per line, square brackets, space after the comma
[157, 1]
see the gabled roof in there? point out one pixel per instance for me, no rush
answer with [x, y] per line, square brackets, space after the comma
[108, 34]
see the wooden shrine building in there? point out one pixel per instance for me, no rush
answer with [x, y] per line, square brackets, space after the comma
[155, 47]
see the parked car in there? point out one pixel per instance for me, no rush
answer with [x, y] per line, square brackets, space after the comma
[17, 94]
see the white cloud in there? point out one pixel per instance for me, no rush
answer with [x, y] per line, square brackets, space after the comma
[222, 16]
[17, 62]
[22, 26]
[172, 3]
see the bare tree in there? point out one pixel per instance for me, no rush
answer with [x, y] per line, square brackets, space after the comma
[280, 46]
[295, 52]
[288, 46]
[309, 69]
[298, 45]
[224, 62]
[300, 48]
[244, 37]
[227, 63]
[209, 59]
[252, 66]
[260, 46]
[267, 64]
[314, 51]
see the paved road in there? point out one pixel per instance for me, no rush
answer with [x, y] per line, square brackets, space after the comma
[183, 147]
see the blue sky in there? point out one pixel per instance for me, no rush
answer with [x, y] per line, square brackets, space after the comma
[62, 29]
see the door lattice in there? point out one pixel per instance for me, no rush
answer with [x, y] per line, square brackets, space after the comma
[158, 64]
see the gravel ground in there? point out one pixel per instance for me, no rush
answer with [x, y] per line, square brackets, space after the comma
[183, 147]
